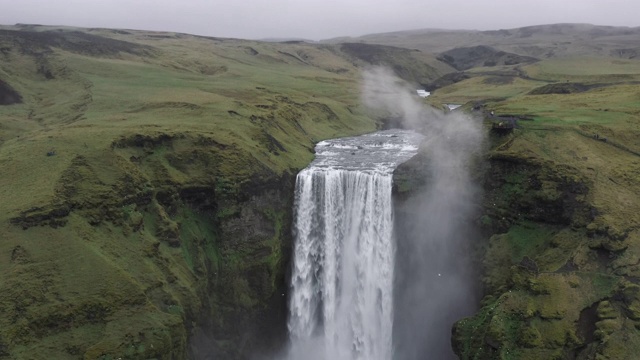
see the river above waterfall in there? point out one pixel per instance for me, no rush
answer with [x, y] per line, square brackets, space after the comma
[380, 151]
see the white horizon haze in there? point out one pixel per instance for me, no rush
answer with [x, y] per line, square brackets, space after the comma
[315, 19]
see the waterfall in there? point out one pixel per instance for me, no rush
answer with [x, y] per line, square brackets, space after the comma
[344, 262]
[341, 304]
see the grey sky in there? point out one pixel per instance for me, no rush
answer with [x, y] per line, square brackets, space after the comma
[315, 19]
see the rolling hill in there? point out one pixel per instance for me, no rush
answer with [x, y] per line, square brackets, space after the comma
[147, 182]
[542, 41]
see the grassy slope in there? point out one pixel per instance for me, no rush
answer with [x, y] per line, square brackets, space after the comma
[143, 133]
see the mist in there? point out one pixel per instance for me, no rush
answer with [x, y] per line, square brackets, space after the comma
[434, 283]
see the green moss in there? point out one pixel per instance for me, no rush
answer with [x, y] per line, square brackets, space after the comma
[606, 310]
[633, 309]
[225, 187]
[530, 337]
[468, 333]
[175, 310]
[603, 284]
[527, 239]
[606, 327]
[241, 294]
[198, 236]
[513, 186]
[127, 210]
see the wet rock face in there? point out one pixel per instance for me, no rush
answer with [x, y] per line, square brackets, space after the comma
[531, 212]
[250, 290]
[235, 237]
[8, 96]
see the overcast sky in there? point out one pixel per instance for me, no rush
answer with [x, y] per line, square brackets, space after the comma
[315, 19]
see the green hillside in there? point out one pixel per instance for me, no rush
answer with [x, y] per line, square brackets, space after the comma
[147, 182]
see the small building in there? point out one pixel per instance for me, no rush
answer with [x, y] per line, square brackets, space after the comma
[423, 93]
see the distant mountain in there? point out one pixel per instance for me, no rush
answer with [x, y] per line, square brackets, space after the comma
[541, 41]
[469, 57]
[412, 65]
[294, 40]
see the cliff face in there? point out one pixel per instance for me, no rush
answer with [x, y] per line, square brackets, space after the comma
[534, 212]
[557, 277]
[149, 252]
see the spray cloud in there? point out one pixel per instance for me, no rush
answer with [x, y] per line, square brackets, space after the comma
[434, 284]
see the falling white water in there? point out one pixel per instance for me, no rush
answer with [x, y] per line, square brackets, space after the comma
[341, 304]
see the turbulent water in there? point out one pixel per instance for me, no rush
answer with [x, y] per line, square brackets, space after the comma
[341, 304]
